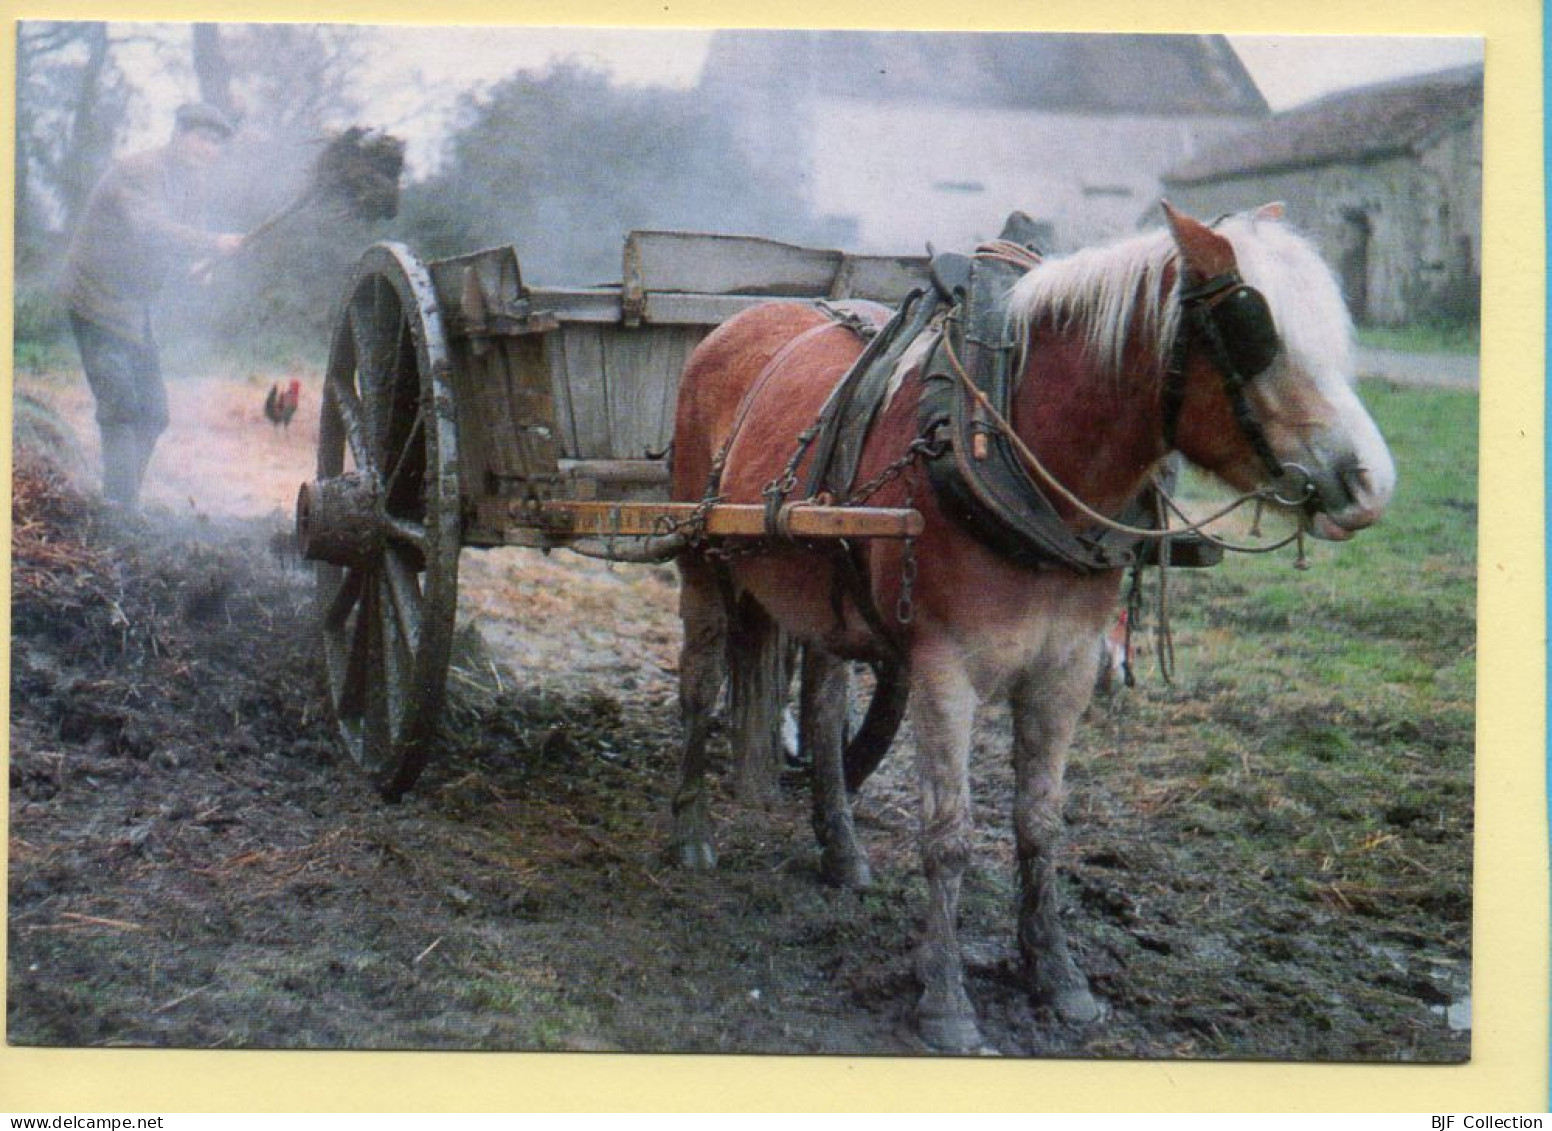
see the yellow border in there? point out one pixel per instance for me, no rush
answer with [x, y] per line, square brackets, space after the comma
[1509, 1068]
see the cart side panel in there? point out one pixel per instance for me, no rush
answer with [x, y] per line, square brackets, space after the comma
[506, 416]
[614, 387]
[578, 380]
[502, 389]
[644, 366]
[700, 263]
[694, 263]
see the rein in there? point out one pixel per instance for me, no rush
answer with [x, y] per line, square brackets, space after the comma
[1163, 534]
[1261, 495]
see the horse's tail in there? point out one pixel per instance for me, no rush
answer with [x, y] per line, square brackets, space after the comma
[885, 713]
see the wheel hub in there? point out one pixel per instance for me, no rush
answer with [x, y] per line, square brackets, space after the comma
[339, 520]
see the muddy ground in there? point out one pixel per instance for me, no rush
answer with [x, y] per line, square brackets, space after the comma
[193, 862]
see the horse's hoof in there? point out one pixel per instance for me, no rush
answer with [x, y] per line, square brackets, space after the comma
[1056, 983]
[954, 1033]
[697, 856]
[1075, 1005]
[846, 870]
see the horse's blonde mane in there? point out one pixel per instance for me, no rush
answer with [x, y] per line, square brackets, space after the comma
[1115, 293]
[1103, 290]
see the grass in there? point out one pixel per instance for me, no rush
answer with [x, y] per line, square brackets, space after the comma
[1347, 692]
[55, 358]
[1453, 339]
[40, 357]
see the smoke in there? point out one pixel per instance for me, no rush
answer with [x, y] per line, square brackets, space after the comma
[563, 163]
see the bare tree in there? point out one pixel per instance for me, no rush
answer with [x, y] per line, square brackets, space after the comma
[71, 105]
[211, 70]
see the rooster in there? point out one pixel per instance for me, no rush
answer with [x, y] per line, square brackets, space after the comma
[280, 405]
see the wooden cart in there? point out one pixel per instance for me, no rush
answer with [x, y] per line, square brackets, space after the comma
[464, 408]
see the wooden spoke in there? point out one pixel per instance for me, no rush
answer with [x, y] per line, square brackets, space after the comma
[409, 448]
[348, 406]
[398, 659]
[377, 734]
[357, 675]
[404, 595]
[409, 533]
[344, 599]
[361, 330]
[385, 310]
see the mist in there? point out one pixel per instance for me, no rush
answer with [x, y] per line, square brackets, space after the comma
[561, 141]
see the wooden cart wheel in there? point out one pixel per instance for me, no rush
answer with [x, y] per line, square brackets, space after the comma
[383, 519]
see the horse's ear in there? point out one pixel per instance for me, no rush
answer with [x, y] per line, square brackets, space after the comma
[1273, 211]
[1206, 253]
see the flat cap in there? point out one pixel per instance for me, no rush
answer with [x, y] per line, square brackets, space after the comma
[203, 116]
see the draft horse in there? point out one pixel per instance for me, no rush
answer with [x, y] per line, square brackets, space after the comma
[1228, 343]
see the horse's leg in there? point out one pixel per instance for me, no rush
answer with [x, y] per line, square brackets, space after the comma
[825, 701]
[702, 668]
[942, 712]
[1047, 702]
[757, 667]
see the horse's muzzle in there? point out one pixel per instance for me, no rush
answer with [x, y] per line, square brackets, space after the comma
[1348, 497]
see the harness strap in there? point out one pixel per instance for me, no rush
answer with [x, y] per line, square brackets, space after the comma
[981, 478]
[848, 413]
[714, 486]
[1234, 385]
[1173, 397]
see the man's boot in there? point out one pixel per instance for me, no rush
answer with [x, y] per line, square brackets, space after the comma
[122, 465]
[145, 444]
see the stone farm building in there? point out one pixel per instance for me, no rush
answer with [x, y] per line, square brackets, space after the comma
[1386, 178]
[898, 138]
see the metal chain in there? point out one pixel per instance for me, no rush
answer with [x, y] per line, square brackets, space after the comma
[779, 488]
[693, 525]
[919, 448]
[905, 606]
[1133, 615]
[1164, 633]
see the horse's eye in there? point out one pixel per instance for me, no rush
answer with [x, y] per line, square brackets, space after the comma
[1245, 325]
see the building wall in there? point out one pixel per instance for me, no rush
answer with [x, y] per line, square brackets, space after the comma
[897, 175]
[1404, 233]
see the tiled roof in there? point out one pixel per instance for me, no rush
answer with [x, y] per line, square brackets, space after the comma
[1132, 74]
[1359, 125]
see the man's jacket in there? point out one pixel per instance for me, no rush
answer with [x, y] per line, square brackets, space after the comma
[140, 223]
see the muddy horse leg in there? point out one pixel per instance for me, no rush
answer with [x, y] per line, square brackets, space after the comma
[1047, 702]
[942, 710]
[826, 700]
[702, 669]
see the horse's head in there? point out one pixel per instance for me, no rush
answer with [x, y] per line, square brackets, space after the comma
[1261, 387]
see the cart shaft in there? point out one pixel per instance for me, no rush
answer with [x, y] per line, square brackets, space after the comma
[562, 520]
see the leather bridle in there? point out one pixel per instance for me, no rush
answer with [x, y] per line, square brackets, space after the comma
[1230, 320]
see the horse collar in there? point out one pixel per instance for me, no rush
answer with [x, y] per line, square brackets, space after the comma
[976, 474]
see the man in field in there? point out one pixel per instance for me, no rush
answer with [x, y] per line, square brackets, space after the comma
[141, 223]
